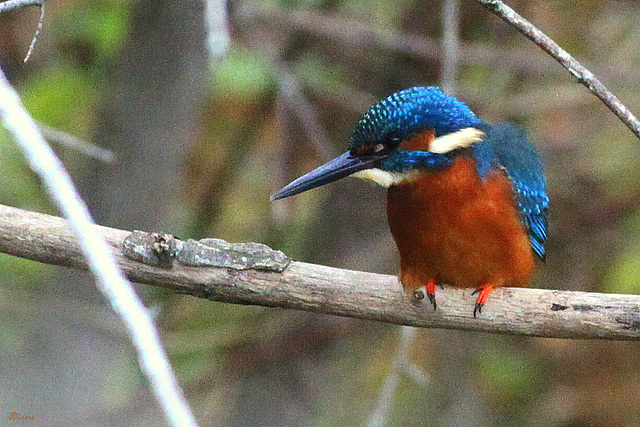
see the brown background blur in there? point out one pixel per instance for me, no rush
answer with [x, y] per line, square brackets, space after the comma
[203, 139]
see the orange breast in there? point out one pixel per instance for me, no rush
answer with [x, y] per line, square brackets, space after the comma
[454, 228]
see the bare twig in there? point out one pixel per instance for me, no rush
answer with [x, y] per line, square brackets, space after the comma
[576, 69]
[316, 288]
[76, 143]
[304, 111]
[388, 389]
[35, 36]
[450, 45]
[10, 5]
[217, 26]
[354, 33]
[100, 259]
[292, 93]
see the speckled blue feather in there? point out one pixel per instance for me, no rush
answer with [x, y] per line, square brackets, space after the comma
[409, 111]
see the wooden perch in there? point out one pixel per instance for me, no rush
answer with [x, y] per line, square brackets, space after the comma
[320, 289]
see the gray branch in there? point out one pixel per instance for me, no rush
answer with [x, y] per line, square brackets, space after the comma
[87, 148]
[321, 289]
[109, 279]
[583, 75]
[9, 5]
[350, 32]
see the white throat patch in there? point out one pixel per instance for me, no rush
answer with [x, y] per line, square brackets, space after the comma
[384, 178]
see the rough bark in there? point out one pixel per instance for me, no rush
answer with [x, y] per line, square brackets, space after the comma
[321, 289]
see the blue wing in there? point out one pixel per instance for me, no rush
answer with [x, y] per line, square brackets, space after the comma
[507, 146]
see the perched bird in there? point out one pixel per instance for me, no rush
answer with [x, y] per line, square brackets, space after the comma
[466, 201]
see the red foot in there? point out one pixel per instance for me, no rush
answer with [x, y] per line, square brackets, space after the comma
[482, 298]
[431, 293]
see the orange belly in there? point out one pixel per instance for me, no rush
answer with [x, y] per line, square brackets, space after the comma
[453, 228]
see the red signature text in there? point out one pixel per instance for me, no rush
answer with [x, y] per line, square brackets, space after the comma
[16, 416]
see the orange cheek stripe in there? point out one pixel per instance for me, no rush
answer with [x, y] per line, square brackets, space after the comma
[419, 142]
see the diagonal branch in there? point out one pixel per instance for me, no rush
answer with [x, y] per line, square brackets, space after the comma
[583, 75]
[109, 279]
[320, 289]
[9, 5]
[350, 32]
[75, 143]
[32, 45]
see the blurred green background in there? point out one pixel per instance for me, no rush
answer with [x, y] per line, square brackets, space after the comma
[202, 140]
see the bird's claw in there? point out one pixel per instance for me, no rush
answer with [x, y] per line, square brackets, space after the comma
[484, 292]
[432, 300]
[477, 309]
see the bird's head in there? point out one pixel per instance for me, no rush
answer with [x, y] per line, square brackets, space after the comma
[396, 136]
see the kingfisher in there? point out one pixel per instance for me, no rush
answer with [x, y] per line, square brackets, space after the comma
[466, 200]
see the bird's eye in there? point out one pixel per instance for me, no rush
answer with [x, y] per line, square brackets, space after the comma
[394, 141]
[369, 150]
[379, 149]
[390, 143]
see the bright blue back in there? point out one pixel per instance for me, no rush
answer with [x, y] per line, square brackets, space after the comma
[507, 146]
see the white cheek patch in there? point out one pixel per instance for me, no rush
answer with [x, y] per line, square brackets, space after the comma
[384, 178]
[459, 139]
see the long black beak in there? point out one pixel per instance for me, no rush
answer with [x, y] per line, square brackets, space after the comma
[333, 170]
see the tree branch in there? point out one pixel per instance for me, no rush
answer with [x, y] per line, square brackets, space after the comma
[34, 40]
[351, 32]
[9, 5]
[87, 148]
[109, 279]
[320, 289]
[583, 75]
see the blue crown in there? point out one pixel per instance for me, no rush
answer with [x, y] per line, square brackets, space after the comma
[409, 111]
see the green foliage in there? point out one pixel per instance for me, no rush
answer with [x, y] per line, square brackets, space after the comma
[624, 275]
[20, 186]
[382, 13]
[100, 25]
[506, 375]
[62, 97]
[243, 74]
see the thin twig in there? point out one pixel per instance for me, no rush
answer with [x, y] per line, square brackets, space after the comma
[217, 25]
[450, 45]
[351, 32]
[290, 89]
[304, 111]
[401, 361]
[35, 36]
[387, 391]
[10, 5]
[100, 259]
[576, 69]
[76, 143]
[416, 374]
